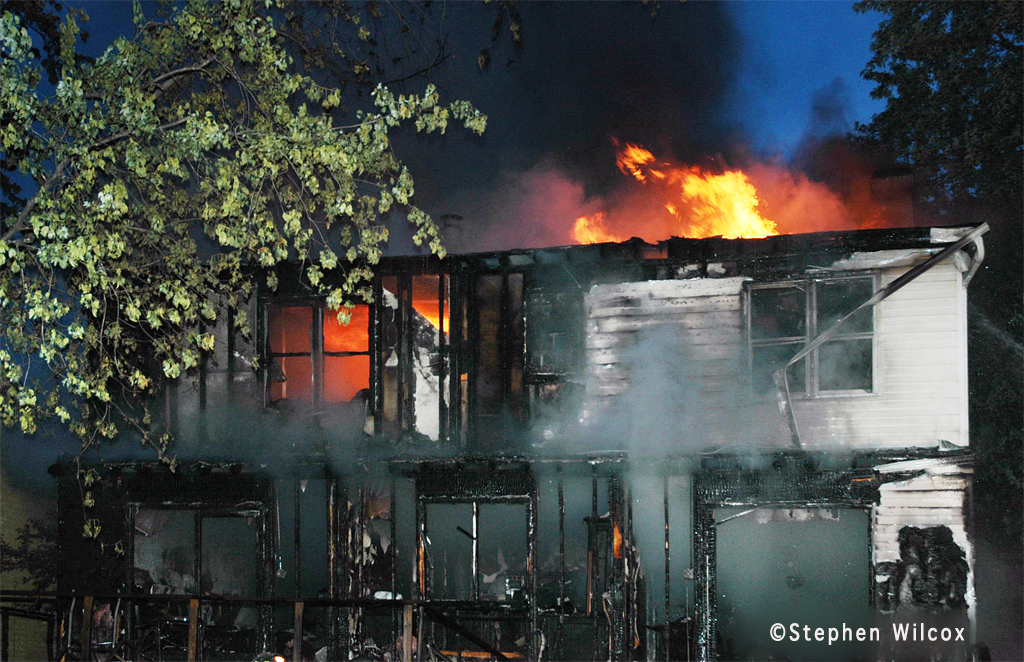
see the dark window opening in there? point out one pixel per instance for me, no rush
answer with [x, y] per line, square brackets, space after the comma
[477, 551]
[189, 552]
[784, 317]
[554, 356]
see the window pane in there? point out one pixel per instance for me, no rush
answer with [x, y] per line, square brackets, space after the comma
[353, 337]
[289, 329]
[839, 298]
[230, 558]
[502, 551]
[345, 376]
[450, 550]
[778, 312]
[291, 378]
[769, 359]
[425, 300]
[165, 551]
[845, 365]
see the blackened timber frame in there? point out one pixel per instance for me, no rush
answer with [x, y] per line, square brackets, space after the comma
[794, 480]
[400, 283]
[479, 482]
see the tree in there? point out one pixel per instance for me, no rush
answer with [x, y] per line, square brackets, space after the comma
[951, 76]
[158, 174]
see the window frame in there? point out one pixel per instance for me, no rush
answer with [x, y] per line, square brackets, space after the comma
[812, 368]
[316, 353]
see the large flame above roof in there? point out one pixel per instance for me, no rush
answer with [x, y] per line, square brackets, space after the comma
[701, 203]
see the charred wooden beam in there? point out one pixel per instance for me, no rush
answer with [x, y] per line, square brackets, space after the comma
[471, 637]
[297, 633]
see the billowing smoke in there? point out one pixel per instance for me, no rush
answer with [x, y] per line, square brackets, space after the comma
[830, 184]
[529, 209]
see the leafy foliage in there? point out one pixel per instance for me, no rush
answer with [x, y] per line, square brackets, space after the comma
[951, 75]
[160, 174]
[34, 551]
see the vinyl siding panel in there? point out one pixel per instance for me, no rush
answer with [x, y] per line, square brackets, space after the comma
[918, 395]
[691, 331]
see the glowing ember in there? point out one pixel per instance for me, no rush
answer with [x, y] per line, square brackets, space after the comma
[592, 230]
[699, 203]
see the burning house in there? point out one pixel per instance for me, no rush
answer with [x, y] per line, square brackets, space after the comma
[615, 451]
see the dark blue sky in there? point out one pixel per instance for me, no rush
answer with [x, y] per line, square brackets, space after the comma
[793, 51]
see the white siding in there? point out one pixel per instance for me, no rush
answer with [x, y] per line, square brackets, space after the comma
[695, 329]
[921, 373]
[920, 363]
[925, 501]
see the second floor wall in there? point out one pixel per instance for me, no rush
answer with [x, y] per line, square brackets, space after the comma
[618, 347]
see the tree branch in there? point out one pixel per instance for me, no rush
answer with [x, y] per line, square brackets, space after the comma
[124, 134]
[20, 224]
[179, 72]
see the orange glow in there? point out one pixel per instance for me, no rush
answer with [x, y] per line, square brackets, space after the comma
[351, 337]
[617, 541]
[592, 230]
[345, 376]
[425, 299]
[700, 203]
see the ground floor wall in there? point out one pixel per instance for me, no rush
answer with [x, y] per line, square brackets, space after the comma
[557, 559]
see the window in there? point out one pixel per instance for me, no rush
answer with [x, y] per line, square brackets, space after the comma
[784, 317]
[316, 359]
[476, 550]
[555, 350]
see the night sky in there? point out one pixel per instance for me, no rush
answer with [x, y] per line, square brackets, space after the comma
[701, 82]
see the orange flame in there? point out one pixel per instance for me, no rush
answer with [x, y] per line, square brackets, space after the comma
[702, 204]
[593, 230]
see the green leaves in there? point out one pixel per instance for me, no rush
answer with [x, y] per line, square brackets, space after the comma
[165, 171]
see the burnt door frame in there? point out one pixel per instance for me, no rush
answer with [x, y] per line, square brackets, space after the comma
[264, 547]
[794, 480]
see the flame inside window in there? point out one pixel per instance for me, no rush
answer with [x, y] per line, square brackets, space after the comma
[344, 349]
[346, 354]
[425, 297]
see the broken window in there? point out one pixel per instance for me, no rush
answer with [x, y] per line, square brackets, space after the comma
[554, 349]
[315, 358]
[188, 551]
[784, 317]
[476, 551]
[414, 337]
